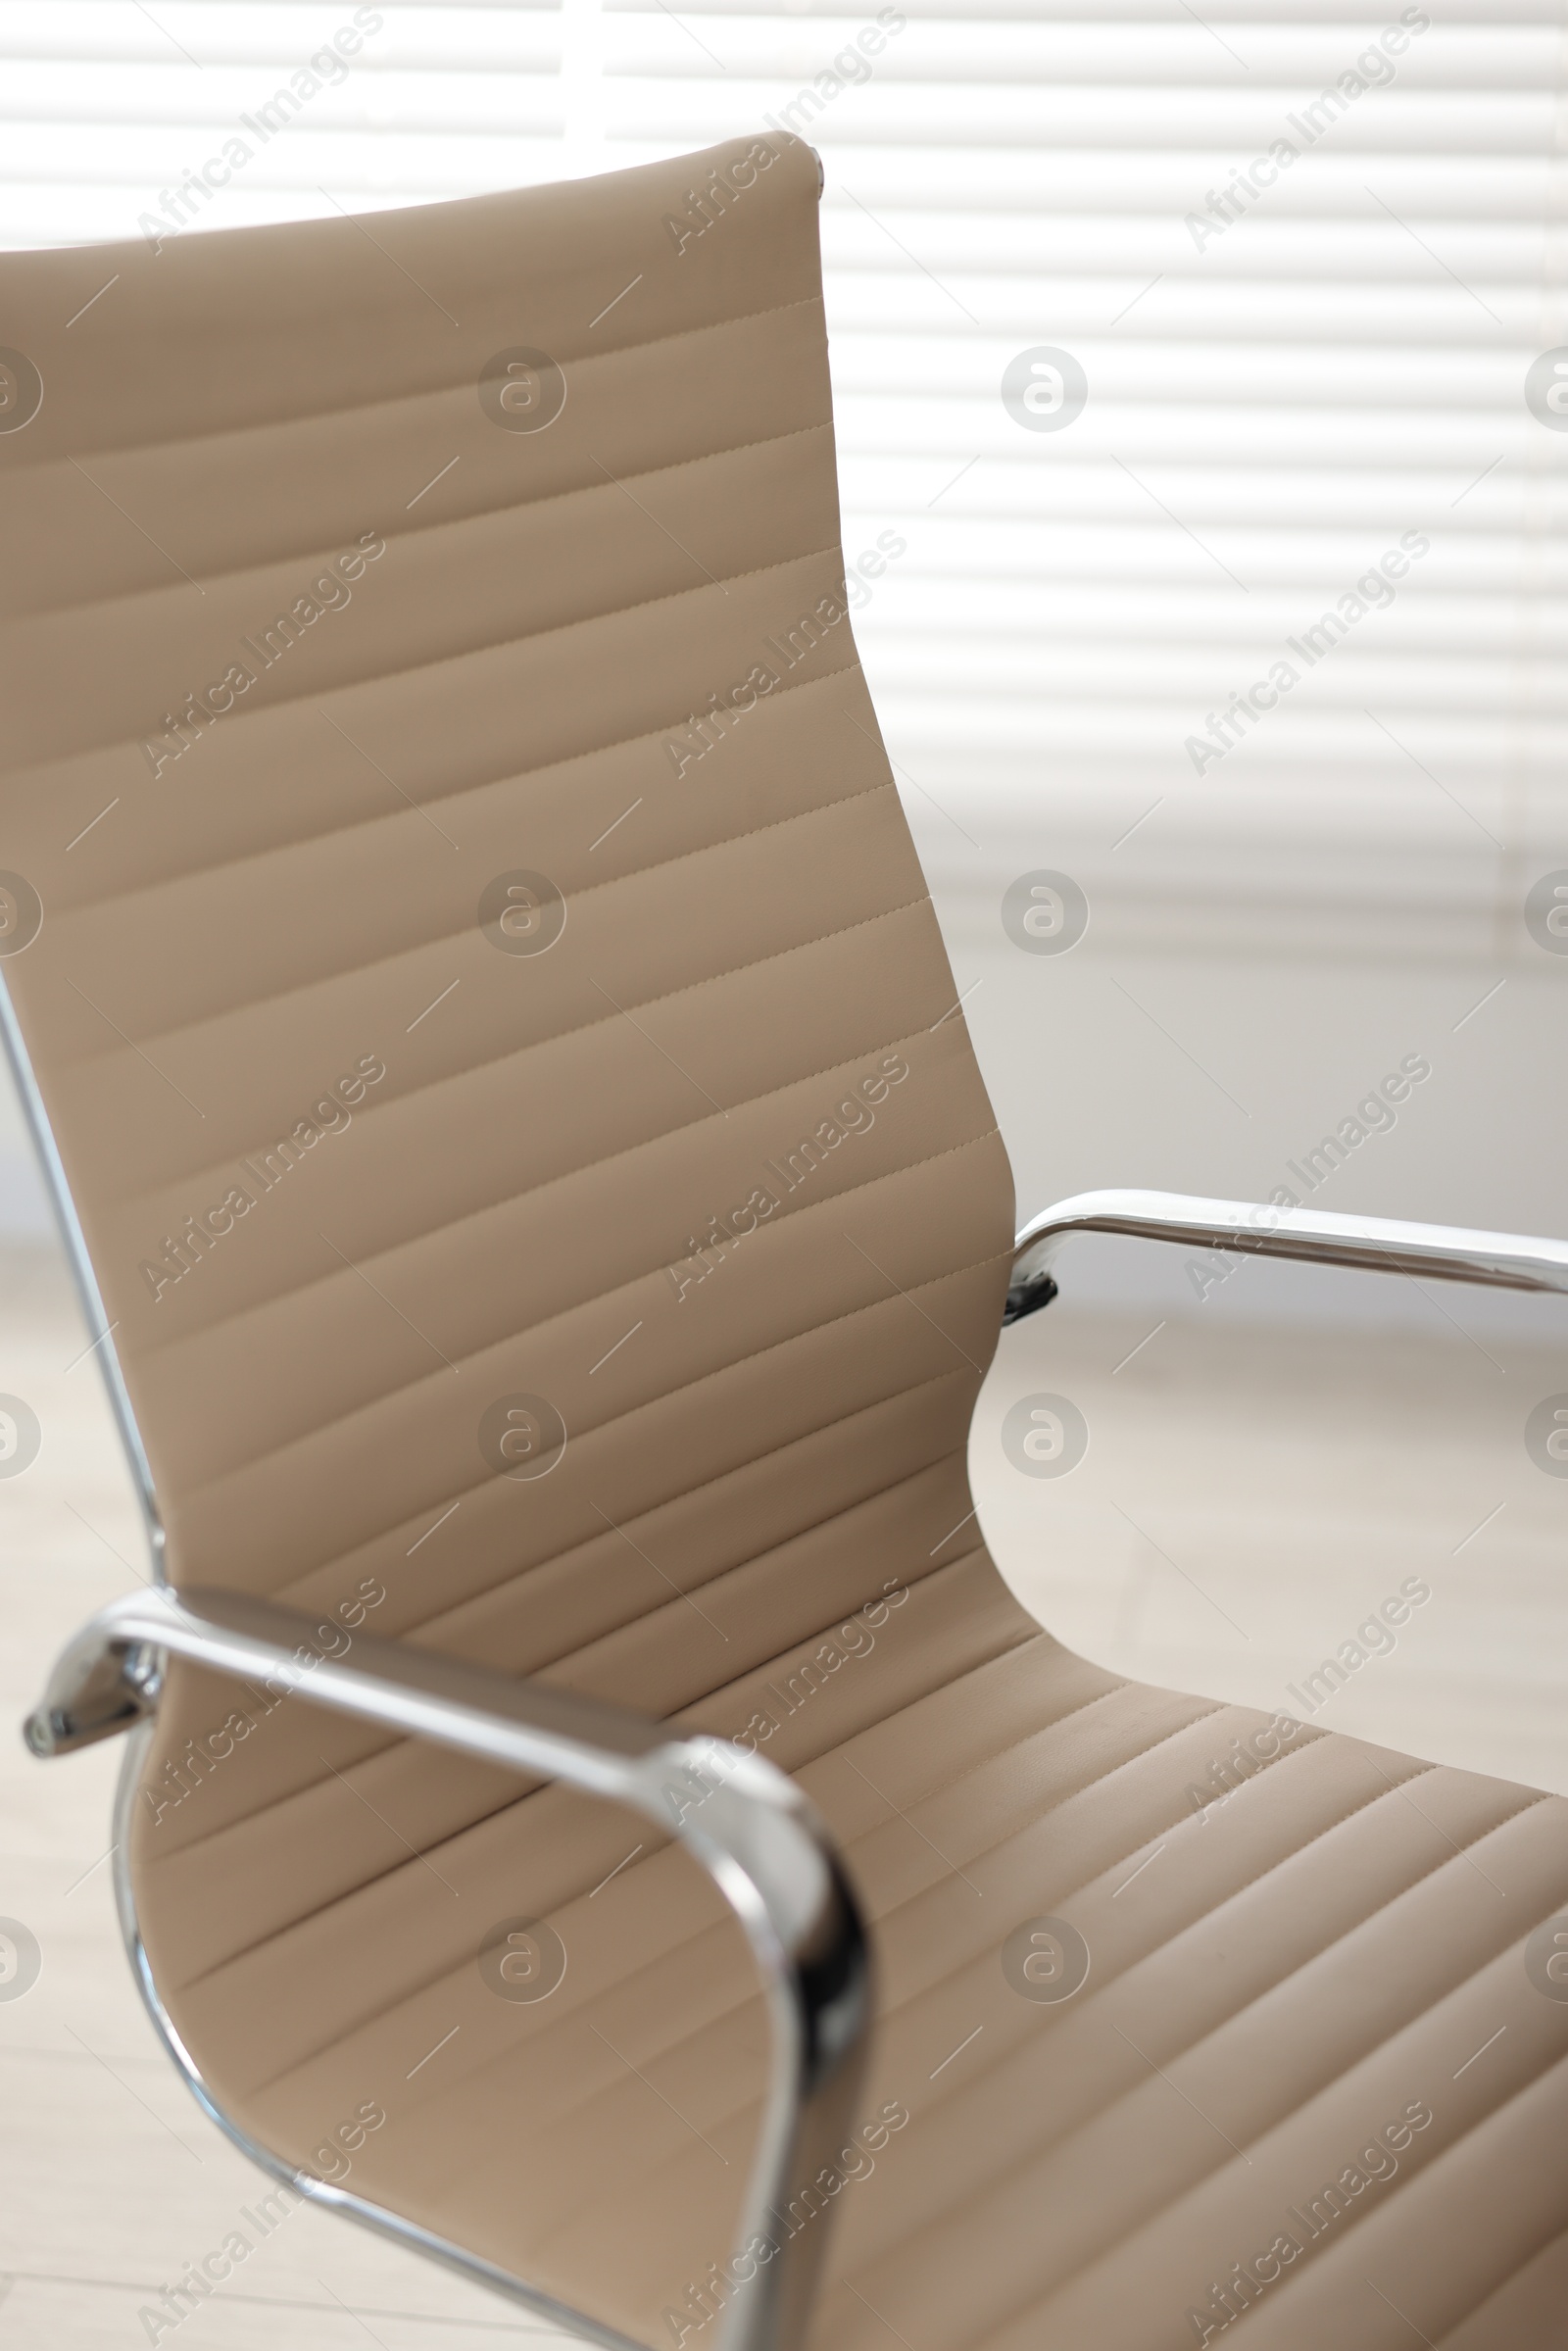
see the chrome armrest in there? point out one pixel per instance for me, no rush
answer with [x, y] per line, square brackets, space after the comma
[750, 1826]
[1374, 1243]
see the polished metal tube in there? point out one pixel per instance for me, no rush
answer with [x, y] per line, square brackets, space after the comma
[745, 1821]
[1372, 1243]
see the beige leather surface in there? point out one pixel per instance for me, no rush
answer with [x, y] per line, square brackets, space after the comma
[708, 1179]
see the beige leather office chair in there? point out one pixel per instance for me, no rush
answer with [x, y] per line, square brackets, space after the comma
[472, 980]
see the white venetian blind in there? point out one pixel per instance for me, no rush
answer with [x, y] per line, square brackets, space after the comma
[1292, 367]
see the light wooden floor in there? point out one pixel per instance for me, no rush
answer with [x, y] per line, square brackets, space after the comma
[1252, 1494]
[1249, 1495]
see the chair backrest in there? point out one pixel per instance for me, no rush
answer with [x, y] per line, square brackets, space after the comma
[485, 1000]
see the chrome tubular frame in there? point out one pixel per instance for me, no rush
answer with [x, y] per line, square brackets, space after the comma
[741, 1817]
[1371, 1243]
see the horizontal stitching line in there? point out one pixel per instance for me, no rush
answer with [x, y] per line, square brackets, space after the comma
[720, 1928]
[243, 1468]
[1445, 1862]
[566, 1656]
[1358, 1807]
[851, 1844]
[885, 2013]
[361, 407]
[689, 1494]
[662, 1603]
[601, 1020]
[891, 2249]
[827, 1755]
[1123, 1763]
[509, 1199]
[722, 1370]
[538, 1672]
[449, 800]
[357, 971]
[422, 669]
[1081, 1884]
[424, 531]
[956, 1779]
[1356, 1810]
[1339, 1822]
[1184, 1812]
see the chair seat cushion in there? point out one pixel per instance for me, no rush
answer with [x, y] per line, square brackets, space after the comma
[1282, 2059]
[1308, 2088]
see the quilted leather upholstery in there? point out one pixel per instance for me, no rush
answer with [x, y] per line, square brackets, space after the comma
[486, 996]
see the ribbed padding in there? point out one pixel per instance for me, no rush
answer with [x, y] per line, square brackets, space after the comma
[714, 1177]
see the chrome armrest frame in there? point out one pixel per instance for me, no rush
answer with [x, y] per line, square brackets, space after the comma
[1372, 1243]
[753, 1831]
[741, 1817]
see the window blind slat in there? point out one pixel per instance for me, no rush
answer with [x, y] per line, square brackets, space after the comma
[1287, 370]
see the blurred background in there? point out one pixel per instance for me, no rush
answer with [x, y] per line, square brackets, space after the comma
[1201, 378]
[1154, 329]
